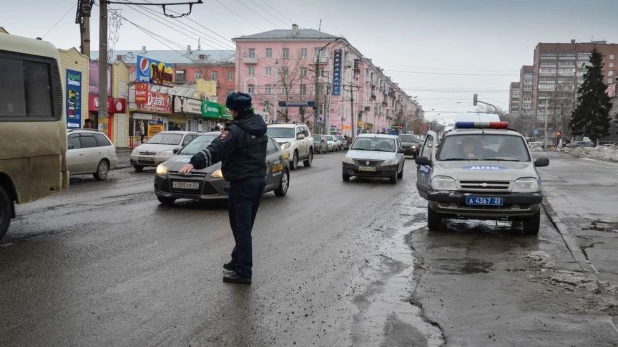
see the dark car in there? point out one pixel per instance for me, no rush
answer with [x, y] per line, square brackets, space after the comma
[577, 144]
[410, 143]
[319, 144]
[208, 183]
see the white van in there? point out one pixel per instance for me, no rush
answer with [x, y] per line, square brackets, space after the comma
[33, 135]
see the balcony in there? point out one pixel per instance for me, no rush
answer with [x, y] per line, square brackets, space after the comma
[250, 60]
[320, 60]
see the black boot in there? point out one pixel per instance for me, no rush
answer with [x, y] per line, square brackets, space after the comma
[236, 278]
[229, 266]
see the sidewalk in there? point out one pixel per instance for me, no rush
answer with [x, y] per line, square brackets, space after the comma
[124, 156]
[581, 200]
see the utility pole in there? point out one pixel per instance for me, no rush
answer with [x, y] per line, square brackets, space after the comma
[276, 90]
[352, 88]
[546, 104]
[103, 16]
[84, 8]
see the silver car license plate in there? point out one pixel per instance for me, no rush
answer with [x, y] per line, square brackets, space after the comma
[185, 185]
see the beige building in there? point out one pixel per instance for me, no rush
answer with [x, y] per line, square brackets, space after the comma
[120, 90]
[72, 59]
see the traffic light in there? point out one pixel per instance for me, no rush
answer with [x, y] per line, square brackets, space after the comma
[474, 99]
[558, 134]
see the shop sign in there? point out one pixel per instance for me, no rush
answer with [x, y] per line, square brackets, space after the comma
[145, 116]
[141, 92]
[114, 105]
[338, 65]
[157, 102]
[193, 106]
[93, 78]
[153, 71]
[154, 129]
[74, 99]
[211, 110]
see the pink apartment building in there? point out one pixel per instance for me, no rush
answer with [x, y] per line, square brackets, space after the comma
[284, 65]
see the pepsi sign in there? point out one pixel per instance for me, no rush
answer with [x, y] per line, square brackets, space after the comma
[153, 71]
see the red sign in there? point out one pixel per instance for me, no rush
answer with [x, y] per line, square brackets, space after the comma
[141, 93]
[113, 105]
[157, 102]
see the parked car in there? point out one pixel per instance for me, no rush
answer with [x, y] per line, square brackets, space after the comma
[160, 148]
[90, 152]
[480, 171]
[208, 183]
[295, 140]
[319, 144]
[339, 142]
[576, 144]
[330, 141]
[535, 146]
[410, 143]
[374, 155]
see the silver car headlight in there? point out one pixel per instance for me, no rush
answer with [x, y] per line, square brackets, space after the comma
[526, 185]
[285, 145]
[348, 160]
[167, 153]
[443, 183]
[389, 162]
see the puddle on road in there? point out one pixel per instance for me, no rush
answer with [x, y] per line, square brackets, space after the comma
[385, 316]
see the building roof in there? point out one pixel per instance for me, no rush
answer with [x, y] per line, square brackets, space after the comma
[515, 85]
[173, 57]
[288, 34]
[2, 30]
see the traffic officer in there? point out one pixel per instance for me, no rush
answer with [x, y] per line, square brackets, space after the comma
[241, 148]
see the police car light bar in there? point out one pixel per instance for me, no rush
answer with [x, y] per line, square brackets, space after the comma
[482, 125]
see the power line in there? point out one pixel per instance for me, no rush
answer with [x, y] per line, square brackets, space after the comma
[59, 20]
[274, 9]
[250, 9]
[269, 12]
[239, 16]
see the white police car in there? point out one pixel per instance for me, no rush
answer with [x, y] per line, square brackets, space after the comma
[480, 170]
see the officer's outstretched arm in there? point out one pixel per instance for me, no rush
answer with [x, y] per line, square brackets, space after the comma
[220, 148]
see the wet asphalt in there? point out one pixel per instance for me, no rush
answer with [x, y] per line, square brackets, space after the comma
[335, 264]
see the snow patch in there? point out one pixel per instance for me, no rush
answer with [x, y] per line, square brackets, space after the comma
[598, 153]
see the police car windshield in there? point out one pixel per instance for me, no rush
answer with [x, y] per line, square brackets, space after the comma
[374, 144]
[165, 139]
[200, 143]
[280, 133]
[489, 147]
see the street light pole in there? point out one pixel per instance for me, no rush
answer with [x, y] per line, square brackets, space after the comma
[276, 90]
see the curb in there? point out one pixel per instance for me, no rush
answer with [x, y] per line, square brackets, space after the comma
[569, 240]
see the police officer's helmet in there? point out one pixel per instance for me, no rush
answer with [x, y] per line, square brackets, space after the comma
[238, 101]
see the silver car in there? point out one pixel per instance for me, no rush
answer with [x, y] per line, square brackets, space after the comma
[483, 173]
[373, 155]
[90, 152]
[160, 148]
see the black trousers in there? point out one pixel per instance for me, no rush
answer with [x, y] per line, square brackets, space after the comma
[243, 203]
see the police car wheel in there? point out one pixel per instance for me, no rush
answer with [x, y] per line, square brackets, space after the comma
[284, 184]
[532, 224]
[433, 219]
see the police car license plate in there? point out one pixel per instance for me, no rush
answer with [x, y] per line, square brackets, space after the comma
[185, 185]
[484, 201]
[146, 159]
[367, 168]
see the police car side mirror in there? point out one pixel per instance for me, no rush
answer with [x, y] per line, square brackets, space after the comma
[176, 150]
[541, 162]
[300, 136]
[422, 161]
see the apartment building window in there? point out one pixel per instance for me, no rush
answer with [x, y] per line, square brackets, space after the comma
[198, 75]
[611, 56]
[251, 52]
[268, 89]
[269, 52]
[303, 72]
[303, 89]
[251, 71]
[286, 53]
[268, 70]
[303, 52]
[251, 88]
[181, 76]
[230, 75]
[611, 64]
[322, 53]
[215, 75]
[611, 73]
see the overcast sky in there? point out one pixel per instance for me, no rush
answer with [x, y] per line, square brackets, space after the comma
[441, 51]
